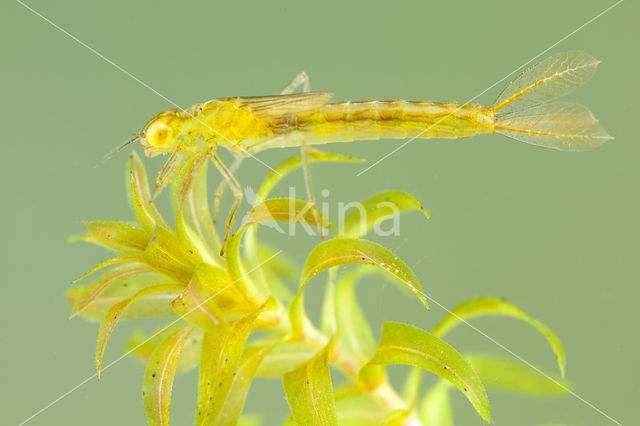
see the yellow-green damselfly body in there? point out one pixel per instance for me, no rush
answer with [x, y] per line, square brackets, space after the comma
[252, 124]
[248, 125]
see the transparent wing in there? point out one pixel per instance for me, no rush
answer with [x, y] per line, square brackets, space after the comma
[284, 104]
[554, 77]
[558, 125]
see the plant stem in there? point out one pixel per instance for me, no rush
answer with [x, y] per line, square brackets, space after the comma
[384, 393]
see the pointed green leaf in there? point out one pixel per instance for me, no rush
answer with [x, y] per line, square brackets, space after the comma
[194, 244]
[263, 282]
[328, 323]
[228, 295]
[289, 422]
[403, 344]
[341, 251]
[184, 179]
[191, 352]
[220, 360]
[166, 254]
[115, 312]
[374, 210]
[411, 389]
[123, 288]
[482, 306]
[139, 198]
[93, 291]
[142, 346]
[120, 237]
[249, 420]
[285, 357]
[102, 265]
[285, 210]
[251, 359]
[310, 392]
[279, 209]
[158, 377]
[435, 407]
[190, 196]
[410, 393]
[198, 307]
[354, 330]
[292, 164]
[515, 376]
[361, 410]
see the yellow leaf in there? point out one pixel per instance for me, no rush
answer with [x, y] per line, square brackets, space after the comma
[166, 254]
[115, 312]
[198, 307]
[139, 198]
[360, 220]
[233, 404]
[292, 164]
[404, 344]
[218, 365]
[120, 237]
[158, 377]
[482, 306]
[310, 392]
[341, 251]
[93, 291]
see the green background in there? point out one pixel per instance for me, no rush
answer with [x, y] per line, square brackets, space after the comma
[555, 233]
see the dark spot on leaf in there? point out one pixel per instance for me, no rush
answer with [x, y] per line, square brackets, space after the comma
[220, 384]
[445, 367]
[465, 389]
[153, 375]
[191, 251]
[308, 382]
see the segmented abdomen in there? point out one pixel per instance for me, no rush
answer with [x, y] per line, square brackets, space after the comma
[392, 119]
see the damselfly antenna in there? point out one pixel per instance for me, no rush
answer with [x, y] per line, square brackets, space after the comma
[111, 154]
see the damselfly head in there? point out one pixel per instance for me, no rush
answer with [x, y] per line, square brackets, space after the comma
[161, 132]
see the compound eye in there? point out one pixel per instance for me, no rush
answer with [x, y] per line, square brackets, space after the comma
[159, 134]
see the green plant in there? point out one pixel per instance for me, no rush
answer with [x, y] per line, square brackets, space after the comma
[237, 318]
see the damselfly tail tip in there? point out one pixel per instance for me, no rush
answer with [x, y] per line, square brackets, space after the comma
[523, 111]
